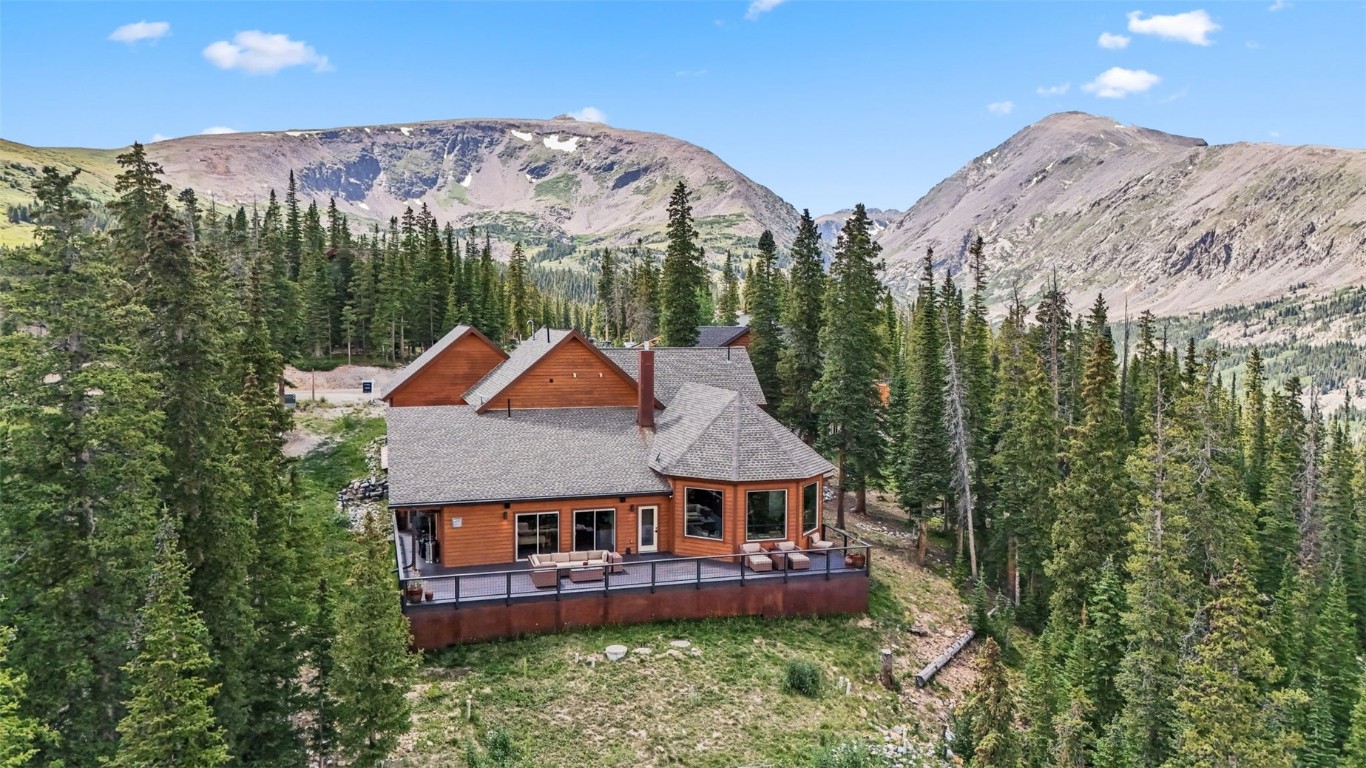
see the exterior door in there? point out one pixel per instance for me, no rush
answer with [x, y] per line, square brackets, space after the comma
[648, 540]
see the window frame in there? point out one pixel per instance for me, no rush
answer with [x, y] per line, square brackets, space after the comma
[516, 517]
[722, 530]
[816, 525]
[787, 513]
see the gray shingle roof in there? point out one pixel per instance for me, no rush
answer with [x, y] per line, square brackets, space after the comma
[719, 335]
[527, 354]
[449, 454]
[426, 357]
[675, 366]
[717, 434]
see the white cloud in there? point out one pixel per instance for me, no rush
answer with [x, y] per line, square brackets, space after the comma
[260, 53]
[1279, 5]
[1118, 82]
[1053, 90]
[217, 129]
[1113, 42]
[1001, 107]
[1275, 134]
[758, 8]
[140, 30]
[1192, 27]
[158, 137]
[589, 115]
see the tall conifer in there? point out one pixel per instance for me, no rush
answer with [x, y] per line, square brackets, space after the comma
[683, 277]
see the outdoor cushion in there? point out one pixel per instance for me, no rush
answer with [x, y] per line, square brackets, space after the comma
[785, 546]
[560, 557]
[752, 548]
[759, 563]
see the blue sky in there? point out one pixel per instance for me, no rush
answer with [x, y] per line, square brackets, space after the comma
[826, 103]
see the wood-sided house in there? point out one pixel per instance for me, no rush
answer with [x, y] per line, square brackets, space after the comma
[662, 460]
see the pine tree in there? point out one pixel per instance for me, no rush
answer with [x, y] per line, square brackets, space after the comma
[989, 713]
[1097, 650]
[799, 363]
[1354, 752]
[1038, 707]
[370, 653]
[81, 465]
[683, 276]
[20, 735]
[923, 457]
[1159, 586]
[321, 706]
[1278, 525]
[846, 397]
[1093, 499]
[170, 723]
[1256, 450]
[187, 343]
[764, 332]
[518, 294]
[607, 296]
[728, 304]
[293, 233]
[1223, 718]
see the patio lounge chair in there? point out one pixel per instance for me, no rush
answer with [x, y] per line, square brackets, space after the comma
[755, 557]
[814, 541]
[786, 556]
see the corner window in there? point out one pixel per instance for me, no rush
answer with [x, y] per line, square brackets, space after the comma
[704, 514]
[766, 516]
[810, 507]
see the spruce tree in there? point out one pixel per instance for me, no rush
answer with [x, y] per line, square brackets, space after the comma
[989, 713]
[518, 294]
[922, 465]
[799, 363]
[683, 276]
[846, 396]
[1223, 718]
[764, 332]
[372, 664]
[1093, 499]
[728, 304]
[20, 735]
[1354, 751]
[170, 722]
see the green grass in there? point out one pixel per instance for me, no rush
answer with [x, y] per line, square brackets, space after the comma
[339, 460]
[562, 188]
[722, 706]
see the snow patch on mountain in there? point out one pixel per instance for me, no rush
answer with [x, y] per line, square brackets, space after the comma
[561, 145]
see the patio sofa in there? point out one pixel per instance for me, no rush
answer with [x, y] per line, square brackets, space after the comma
[546, 569]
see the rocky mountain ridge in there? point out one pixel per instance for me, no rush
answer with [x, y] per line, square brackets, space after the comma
[542, 180]
[1155, 220]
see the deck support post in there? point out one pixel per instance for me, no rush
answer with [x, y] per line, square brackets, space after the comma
[827, 565]
[457, 591]
[652, 577]
[508, 597]
[699, 572]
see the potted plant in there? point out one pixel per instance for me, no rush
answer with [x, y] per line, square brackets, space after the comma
[413, 589]
[428, 595]
[853, 560]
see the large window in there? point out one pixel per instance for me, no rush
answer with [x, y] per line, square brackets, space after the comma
[704, 513]
[766, 516]
[538, 533]
[810, 507]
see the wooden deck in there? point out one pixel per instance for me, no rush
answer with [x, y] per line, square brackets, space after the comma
[489, 602]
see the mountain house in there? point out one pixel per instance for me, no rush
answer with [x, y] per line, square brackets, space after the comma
[568, 485]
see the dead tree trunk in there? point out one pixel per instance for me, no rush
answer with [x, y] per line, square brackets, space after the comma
[956, 416]
[887, 681]
[925, 675]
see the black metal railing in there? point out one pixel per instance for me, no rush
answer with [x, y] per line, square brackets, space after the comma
[846, 555]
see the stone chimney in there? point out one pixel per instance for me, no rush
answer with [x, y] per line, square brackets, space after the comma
[645, 386]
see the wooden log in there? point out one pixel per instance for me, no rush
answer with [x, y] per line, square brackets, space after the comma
[887, 681]
[924, 676]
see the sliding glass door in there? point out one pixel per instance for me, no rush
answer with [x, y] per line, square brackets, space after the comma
[538, 533]
[595, 529]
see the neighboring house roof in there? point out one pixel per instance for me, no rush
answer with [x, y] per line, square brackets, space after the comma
[449, 454]
[523, 359]
[719, 335]
[433, 352]
[725, 368]
[717, 434]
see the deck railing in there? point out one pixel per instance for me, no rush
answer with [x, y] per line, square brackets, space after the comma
[847, 555]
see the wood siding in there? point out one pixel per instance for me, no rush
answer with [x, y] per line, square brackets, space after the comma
[569, 376]
[485, 538]
[735, 511]
[445, 379]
